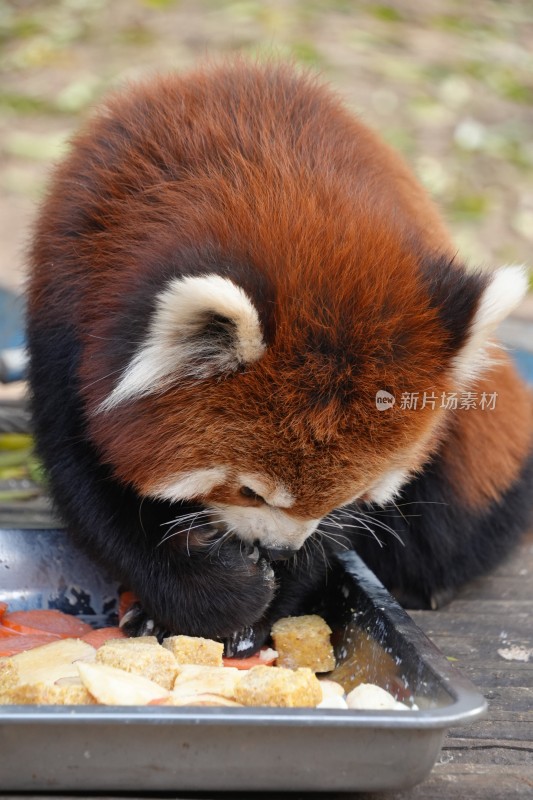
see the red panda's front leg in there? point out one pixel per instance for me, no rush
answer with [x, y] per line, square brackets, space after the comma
[182, 589]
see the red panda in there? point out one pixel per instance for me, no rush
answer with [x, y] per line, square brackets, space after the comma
[234, 286]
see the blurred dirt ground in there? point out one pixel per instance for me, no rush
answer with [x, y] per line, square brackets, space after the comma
[449, 83]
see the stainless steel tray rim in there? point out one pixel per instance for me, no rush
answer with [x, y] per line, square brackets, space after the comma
[115, 715]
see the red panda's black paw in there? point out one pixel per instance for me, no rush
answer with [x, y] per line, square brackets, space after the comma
[248, 640]
[137, 622]
[241, 643]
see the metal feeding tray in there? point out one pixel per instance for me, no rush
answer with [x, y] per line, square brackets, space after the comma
[86, 748]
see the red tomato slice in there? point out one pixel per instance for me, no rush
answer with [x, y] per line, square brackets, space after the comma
[11, 645]
[100, 636]
[251, 661]
[24, 630]
[48, 621]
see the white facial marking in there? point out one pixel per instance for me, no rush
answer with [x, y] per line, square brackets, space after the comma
[387, 487]
[189, 485]
[504, 292]
[275, 494]
[272, 527]
[179, 344]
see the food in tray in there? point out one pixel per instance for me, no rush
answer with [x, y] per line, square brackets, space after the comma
[47, 663]
[199, 679]
[107, 668]
[370, 696]
[50, 694]
[149, 660]
[116, 687]
[279, 686]
[304, 642]
[195, 650]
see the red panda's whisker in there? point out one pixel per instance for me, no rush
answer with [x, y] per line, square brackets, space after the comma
[217, 544]
[332, 521]
[411, 503]
[140, 516]
[186, 516]
[317, 543]
[335, 539]
[171, 534]
[378, 524]
[381, 525]
[365, 527]
[329, 534]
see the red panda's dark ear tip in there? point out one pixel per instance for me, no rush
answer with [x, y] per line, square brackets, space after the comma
[505, 289]
[454, 293]
[202, 326]
[466, 299]
[470, 305]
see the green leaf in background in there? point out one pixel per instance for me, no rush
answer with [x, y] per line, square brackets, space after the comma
[15, 441]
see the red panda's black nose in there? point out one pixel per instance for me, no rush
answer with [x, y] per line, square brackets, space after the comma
[278, 553]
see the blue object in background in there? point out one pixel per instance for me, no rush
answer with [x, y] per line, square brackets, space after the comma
[524, 361]
[12, 354]
[11, 320]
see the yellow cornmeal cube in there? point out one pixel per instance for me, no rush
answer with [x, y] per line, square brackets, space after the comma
[9, 674]
[128, 642]
[149, 660]
[277, 686]
[195, 650]
[303, 642]
[47, 694]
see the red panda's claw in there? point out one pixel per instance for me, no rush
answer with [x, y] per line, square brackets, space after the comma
[136, 622]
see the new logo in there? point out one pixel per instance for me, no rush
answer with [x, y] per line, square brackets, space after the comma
[384, 400]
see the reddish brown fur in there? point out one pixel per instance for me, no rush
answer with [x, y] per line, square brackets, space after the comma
[486, 448]
[336, 257]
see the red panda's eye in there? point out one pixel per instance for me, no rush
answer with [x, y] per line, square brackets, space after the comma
[250, 494]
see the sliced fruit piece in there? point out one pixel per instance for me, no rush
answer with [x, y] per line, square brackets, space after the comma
[50, 661]
[47, 620]
[100, 636]
[116, 687]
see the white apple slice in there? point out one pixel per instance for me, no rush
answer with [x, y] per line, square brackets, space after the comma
[50, 662]
[116, 687]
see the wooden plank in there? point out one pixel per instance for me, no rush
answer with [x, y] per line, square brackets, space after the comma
[494, 587]
[477, 653]
[518, 625]
[494, 676]
[467, 655]
[511, 727]
[470, 781]
[511, 699]
[489, 608]
[496, 751]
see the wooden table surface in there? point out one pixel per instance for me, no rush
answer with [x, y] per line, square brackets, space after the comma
[488, 629]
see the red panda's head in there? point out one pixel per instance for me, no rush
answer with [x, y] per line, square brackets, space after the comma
[265, 286]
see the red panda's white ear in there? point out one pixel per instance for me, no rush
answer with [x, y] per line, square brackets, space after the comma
[201, 326]
[502, 294]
